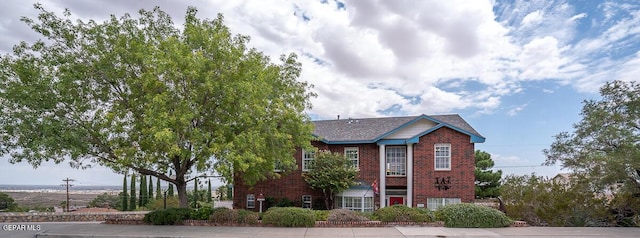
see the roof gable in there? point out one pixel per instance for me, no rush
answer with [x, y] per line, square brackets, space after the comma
[373, 130]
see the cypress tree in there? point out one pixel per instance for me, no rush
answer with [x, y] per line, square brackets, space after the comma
[158, 189]
[209, 192]
[195, 193]
[132, 199]
[143, 191]
[170, 191]
[150, 194]
[125, 195]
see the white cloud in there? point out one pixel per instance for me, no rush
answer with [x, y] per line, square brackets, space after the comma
[532, 18]
[515, 110]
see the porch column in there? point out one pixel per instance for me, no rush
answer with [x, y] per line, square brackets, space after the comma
[383, 176]
[409, 175]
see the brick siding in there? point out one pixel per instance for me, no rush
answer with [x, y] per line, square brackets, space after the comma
[461, 175]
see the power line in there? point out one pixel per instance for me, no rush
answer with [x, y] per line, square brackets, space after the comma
[67, 180]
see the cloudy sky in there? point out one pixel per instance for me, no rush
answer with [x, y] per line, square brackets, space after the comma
[517, 71]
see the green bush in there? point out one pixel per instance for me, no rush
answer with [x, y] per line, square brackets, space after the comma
[202, 213]
[289, 217]
[401, 213]
[321, 215]
[466, 215]
[170, 216]
[158, 204]
[225, 215]
[247, 217]
[344, 215]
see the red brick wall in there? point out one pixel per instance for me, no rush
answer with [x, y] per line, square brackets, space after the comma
[461, 175]
[293, 186]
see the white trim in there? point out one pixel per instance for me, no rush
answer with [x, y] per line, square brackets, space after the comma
[252, 200]
[383, 174]
[435, 156]
[409, 197]
[400, 169]
[357, 155]
[305, 158]
[310, 201]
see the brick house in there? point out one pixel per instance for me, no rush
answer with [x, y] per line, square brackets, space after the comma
[418, 161]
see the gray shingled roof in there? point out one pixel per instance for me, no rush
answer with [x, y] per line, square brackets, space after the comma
[369, 129]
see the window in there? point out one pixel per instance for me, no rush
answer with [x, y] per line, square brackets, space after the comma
[396, 161]
[351, 153]
[306, 201]
[442, 157]
[278, 166]
[361, 204]
[251, 201]
[307, 159]
[436, 203]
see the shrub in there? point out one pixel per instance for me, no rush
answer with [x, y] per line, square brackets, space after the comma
[465, 215]
[223, 215]
[401, 213]
[158, 204]
[344, 215]
[170, 216]
[321, 215]
[247, 217]
[289, 217]
[202, 213]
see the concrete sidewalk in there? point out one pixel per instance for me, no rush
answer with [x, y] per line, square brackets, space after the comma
[106, 231]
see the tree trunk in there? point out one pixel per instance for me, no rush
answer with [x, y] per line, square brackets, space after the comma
[181, 186]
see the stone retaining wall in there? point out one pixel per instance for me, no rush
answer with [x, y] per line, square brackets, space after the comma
[6, 217]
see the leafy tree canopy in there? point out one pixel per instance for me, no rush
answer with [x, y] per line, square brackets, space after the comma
[487, 182]
[145, 95]
[605, 145]
[7, 203]
[332, 173]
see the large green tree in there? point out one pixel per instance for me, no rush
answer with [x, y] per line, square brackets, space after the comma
[143, 94]
[332, 173]
[605, 145]
[487, 181]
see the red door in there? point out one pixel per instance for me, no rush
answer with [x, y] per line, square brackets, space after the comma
[396, 201]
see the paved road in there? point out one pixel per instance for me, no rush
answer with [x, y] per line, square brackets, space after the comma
[94, 229]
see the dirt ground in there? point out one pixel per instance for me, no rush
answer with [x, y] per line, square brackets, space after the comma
[50, 199]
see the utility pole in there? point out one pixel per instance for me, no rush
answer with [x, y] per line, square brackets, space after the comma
[67, 180]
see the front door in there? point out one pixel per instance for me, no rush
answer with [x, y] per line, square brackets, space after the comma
[396, 201]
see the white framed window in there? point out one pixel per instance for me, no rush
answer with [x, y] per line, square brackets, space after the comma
[361, 204]
[306, 201]
[278, 166]
[442, 160]
[307, 159]
[251, 200]
[436, 203]
[396, 161]
[351, 153]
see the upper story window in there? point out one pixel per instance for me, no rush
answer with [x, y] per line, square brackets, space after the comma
[442, 158]
[307, 159]
[396, 161]
[278, 166]
[351, 153]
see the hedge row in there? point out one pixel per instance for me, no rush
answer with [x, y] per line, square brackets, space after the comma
[458, 215]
